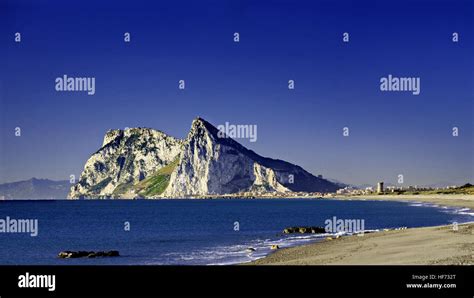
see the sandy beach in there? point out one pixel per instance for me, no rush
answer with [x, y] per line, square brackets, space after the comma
[417, 246]
[444, 200]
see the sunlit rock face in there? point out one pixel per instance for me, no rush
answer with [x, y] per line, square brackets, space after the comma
[125, 158]
[143, 162]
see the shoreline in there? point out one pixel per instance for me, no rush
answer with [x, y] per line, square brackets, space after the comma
[450, 200]
[434, 245]
[377, 246]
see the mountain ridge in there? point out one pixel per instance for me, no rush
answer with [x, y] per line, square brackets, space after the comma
[144, 162]
[35, 188]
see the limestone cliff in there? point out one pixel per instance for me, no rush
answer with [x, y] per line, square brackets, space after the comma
[143, 162]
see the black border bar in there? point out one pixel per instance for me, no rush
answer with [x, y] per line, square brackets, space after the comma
[190, 281]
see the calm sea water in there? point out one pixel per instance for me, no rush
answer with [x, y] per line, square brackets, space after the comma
[191, 232]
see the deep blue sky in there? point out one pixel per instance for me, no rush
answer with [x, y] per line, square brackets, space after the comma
[337, 84]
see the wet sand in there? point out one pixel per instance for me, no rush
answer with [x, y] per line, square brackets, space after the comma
[417, 246]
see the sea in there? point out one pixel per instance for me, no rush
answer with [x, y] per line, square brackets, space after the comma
[193, 231]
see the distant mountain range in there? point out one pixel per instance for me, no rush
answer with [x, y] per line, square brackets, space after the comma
[35, 189]
[143, 162]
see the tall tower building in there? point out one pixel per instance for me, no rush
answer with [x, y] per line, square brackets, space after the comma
[380, 187]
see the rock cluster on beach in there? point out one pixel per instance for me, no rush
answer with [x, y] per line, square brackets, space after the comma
[87, 254]
[147, 163]
[304, 230]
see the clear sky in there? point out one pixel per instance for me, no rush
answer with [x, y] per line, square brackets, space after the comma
[336, 84]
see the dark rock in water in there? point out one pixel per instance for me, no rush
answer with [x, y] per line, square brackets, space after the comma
[113, 253]
[64, 254]
[304, 230]
[87, 254]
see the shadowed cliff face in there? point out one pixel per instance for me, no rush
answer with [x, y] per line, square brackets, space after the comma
[143, 162]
